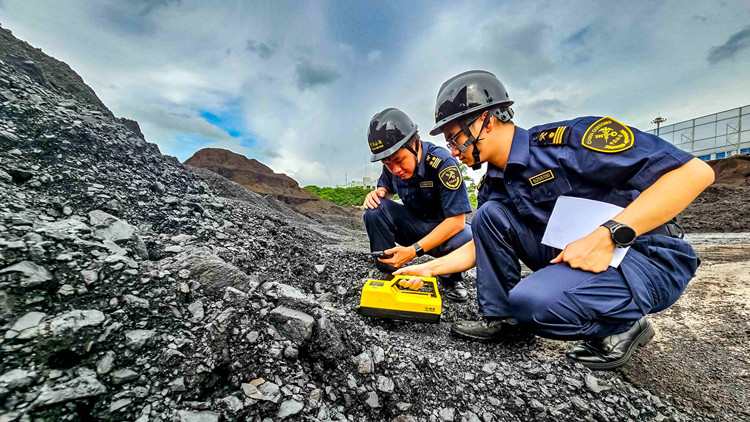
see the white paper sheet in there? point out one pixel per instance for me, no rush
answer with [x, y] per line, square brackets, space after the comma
[574, 218]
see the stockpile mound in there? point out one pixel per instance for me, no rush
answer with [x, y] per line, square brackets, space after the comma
[730, 194]
[257, 177]
[133, 289]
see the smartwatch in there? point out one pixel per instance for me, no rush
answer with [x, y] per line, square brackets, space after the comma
[622, 234]
[418, 248]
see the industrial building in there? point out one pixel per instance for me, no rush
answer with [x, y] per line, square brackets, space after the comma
[366, 182]
[717, 135]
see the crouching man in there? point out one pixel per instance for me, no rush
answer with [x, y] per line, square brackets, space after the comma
[435, 201]
[573, 293]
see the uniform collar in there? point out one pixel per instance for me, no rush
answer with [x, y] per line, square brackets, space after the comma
[518, 155]
[519, 148]
[422, 160]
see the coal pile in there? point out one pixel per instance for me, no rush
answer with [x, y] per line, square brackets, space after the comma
[133, 288]
[729, 194]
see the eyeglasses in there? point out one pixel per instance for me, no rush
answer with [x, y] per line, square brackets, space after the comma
[453, 140]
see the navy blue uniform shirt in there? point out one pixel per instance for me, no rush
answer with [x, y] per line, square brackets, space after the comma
[436, 191]
[588, 157]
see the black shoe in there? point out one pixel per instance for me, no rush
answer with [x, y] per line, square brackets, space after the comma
[454, 290]
[613, 351]
[486, 330]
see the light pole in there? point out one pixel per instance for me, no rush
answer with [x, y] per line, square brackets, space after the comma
[658, 121]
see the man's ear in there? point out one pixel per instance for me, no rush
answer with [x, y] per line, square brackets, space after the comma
[490, 124]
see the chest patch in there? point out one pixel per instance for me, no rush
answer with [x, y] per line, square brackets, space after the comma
[608, 135]
[433, 161]
[450, 177]
[427, 184]
[556, 136]
[541, 178]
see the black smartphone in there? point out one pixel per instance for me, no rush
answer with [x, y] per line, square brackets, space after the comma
[380, 254]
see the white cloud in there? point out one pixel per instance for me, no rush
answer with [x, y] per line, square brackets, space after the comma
[374, 56]
[165, 67]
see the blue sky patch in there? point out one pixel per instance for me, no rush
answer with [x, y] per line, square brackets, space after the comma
[229, 120]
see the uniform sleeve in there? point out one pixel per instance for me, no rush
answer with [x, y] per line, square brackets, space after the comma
[455, 200]
[620, 166]
[385, 181]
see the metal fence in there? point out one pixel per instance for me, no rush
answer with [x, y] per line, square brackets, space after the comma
[714, 136]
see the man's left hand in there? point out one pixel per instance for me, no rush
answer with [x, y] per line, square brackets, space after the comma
[592, 253]
[401, 255]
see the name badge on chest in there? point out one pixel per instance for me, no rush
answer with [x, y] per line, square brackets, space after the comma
[541, 178]
[426, 184]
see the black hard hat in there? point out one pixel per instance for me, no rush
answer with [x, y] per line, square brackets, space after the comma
[389, 130]
[467, 93]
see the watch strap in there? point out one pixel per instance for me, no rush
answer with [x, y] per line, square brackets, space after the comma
[611, 224]
[418, 248]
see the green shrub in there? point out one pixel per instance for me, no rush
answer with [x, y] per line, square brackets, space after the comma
[340, 196]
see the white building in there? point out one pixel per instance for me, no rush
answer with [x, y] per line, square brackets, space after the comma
[366, 182]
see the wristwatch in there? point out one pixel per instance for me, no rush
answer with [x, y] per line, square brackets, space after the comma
[418, 248]
[622, 234]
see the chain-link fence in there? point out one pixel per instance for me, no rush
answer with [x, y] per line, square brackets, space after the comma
[714, 136]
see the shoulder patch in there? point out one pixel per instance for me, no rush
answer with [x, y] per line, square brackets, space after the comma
[481, 181]
[608, 135]
[556, 136]
[433, 161]
[450, 177]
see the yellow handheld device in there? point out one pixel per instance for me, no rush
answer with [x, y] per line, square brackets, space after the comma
[386, 299]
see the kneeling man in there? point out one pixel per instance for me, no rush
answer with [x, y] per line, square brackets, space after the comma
[573, 293]
[429, 182]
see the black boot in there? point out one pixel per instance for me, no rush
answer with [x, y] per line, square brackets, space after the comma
[613, 351]
[486, 329]
[453, 290]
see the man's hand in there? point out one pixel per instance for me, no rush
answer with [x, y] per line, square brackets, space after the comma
[373, 199]
[400, 255]
[416, 282]
[592, 253]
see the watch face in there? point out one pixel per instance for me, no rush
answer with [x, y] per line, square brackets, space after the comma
[624, 235]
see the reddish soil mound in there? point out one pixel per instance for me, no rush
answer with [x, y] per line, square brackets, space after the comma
[248, 172]
[257, 177]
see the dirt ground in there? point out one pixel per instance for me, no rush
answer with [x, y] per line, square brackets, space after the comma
[700, 354]
[700, 357]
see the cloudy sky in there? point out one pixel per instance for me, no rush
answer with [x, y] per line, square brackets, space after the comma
[294, 84]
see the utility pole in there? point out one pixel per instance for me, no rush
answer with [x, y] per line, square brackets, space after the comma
[658, 121]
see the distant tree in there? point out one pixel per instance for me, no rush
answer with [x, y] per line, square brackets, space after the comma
[471, 186]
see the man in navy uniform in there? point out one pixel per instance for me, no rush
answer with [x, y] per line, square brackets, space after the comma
[428, 181]
[573, 293]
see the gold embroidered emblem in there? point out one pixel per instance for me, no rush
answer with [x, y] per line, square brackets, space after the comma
[553, 136]
[541, 178]
[451, 177]
[608, 135]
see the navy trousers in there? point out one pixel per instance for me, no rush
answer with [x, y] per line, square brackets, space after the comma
[558, 301]
[392, 223]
